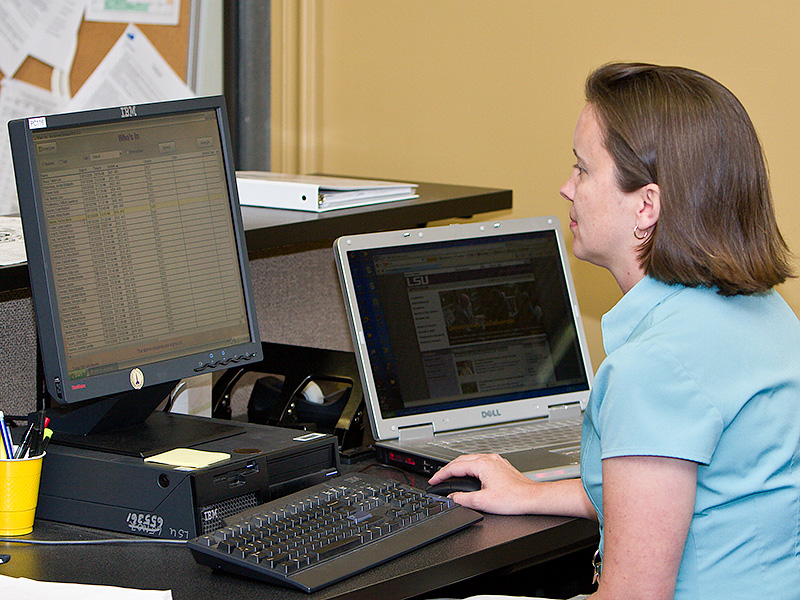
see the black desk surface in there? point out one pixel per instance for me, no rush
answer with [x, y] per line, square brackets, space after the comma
[496, 543]
[267, 230]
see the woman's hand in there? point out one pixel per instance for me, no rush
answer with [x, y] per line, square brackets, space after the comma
[506, 491]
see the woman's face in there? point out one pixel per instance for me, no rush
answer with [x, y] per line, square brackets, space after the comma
[602, 216]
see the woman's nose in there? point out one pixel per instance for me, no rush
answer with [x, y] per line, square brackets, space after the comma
[567, 190]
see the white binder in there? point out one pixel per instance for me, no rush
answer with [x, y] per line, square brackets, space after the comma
[316, 193]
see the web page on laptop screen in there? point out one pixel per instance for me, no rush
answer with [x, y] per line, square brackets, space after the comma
[450, 325]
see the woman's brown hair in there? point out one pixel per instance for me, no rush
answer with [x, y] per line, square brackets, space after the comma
[690, 135]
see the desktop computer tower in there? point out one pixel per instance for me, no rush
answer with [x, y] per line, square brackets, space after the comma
[102, 489]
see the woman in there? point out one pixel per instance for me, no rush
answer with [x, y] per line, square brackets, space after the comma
[690, 458]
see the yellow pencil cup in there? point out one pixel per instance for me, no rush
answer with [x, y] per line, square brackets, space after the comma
[19, 491]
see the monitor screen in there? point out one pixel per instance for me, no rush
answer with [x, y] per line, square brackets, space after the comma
[136, 252]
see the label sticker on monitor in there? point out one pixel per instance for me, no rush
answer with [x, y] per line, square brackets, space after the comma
[37, 122]
[137, 379]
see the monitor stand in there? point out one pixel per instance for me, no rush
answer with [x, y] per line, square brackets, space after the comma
[126, 424]
[159, 433]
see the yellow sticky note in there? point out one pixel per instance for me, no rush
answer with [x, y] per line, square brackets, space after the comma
[188, 458]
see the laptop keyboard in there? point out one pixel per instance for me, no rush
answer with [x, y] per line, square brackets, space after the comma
[562, 437]
[330, 531]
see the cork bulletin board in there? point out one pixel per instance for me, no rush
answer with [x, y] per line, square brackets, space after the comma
[95, 39]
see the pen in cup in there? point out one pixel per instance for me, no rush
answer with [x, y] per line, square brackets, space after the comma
[48, 433]
[8, 445]
[25, 444]
[36, 443]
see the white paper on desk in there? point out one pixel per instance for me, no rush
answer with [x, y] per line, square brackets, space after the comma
[12, 244]
[18, 100]
[133, 72]
[19, 587]
[152, 12]
[56, 37]
[19, 19]
[493, 597]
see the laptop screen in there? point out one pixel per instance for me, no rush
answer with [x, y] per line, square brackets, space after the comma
[471, 322]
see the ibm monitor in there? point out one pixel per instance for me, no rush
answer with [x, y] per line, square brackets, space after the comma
[137, 258]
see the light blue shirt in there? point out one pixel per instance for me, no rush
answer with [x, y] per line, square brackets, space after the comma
[694, 375]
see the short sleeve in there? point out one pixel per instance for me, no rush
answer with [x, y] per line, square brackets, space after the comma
[651, 406]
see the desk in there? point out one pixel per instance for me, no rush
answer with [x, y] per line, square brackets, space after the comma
[496, 543]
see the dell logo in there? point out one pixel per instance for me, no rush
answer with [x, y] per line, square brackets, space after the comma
[488, 414]
[127, 111]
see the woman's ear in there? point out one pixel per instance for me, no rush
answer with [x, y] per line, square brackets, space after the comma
[649, 207]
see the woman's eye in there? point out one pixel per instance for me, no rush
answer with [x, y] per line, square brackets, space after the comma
[579, 169]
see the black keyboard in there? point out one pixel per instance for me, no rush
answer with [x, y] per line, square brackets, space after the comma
[330, 531]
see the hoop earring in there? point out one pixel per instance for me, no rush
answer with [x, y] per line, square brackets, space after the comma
[640, 234]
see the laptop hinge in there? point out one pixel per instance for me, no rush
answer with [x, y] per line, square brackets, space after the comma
[416, 432]
[570, 410]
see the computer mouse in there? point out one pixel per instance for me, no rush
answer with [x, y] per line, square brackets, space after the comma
[455, 484]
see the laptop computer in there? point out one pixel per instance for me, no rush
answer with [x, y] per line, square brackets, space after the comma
[468, 338]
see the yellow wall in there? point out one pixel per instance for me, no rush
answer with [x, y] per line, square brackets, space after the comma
[486, 92]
